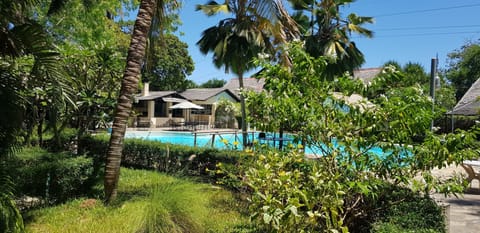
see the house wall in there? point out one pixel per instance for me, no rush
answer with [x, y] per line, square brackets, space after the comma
[212, 101]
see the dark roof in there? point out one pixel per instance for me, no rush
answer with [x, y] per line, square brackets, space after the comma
[469, 105]
[202, 94]
[367, 74]
[154, 95]
[248, 83]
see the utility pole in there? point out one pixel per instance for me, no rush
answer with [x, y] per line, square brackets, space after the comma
[433, 76]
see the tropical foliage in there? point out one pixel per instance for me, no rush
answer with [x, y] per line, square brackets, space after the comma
[213, 83]
[61, 65]
[152, 18]
[22, 41]
[256, 27]
[225, 115]
[328, 34]
[359, 146]
[170, 65]
[463, 68]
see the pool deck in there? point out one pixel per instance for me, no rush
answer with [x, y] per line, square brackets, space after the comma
[169, 129]
[464, 211]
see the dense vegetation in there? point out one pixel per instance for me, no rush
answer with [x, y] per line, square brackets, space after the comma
[64, 63]
[173, 199]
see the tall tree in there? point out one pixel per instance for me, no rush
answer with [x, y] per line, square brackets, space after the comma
[93, 48]
[255, 27]
[150, 21]
[327, 33]
[170, 64]
[464, 67]
[416, 73]
[213, 83]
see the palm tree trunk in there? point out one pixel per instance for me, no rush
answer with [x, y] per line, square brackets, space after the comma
[135, 57]
[243, 110]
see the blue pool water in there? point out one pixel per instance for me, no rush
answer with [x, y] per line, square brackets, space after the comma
[225, 140]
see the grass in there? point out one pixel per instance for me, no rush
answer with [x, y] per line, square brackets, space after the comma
[147, 202]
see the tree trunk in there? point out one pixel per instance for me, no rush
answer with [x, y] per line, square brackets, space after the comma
[135, 57]
[243, 110]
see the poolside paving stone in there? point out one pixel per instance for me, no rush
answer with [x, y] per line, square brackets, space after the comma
[464, 210]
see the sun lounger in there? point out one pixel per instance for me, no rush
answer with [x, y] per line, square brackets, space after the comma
[470, 167]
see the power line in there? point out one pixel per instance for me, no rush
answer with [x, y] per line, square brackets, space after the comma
[426, 27]
[422, 34]
[426, 10]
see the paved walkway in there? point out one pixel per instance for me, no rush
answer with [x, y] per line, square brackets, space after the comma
[464, 211]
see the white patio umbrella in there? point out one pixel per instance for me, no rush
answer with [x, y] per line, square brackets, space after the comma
[186, 105]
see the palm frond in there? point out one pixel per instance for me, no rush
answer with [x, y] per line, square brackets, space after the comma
[355, 22]
[213, 8]
[14, 11]
[11, 111]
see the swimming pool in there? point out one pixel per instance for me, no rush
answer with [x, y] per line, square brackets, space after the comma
[223, 140]
[220, 140]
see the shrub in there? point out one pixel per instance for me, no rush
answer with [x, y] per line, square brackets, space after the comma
[164, 157]
[406, 210]
[53, 176]
[288, 193]
[63, 142]
[10, 218]
[383, 227]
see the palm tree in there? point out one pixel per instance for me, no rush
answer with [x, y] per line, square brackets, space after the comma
[256, 27]
[151, 16]
[326, 33]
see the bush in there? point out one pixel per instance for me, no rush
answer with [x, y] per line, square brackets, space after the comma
[164, 157]
[383, 227]
[64, 142]
[406, 210]
[53, 176]
[10, 218]
[288, 193]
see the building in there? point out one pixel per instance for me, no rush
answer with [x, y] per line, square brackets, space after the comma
[161, 109]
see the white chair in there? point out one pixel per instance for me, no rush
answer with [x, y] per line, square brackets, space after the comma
[470, 167]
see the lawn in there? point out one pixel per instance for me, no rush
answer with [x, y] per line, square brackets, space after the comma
[147, 202]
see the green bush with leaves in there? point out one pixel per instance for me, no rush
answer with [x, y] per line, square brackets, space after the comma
[225, 114]
[53, 176]
[10, 218]
[307, 195]
[359, 145]
[164, 157]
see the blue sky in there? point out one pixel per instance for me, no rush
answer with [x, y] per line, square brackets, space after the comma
[405, 31]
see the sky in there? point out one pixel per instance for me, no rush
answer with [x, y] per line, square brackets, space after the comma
[404, 31]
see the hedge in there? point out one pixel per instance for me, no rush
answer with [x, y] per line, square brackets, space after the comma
[164, 157]
[55, 177]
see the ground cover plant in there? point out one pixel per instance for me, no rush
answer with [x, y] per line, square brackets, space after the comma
[148, 202]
